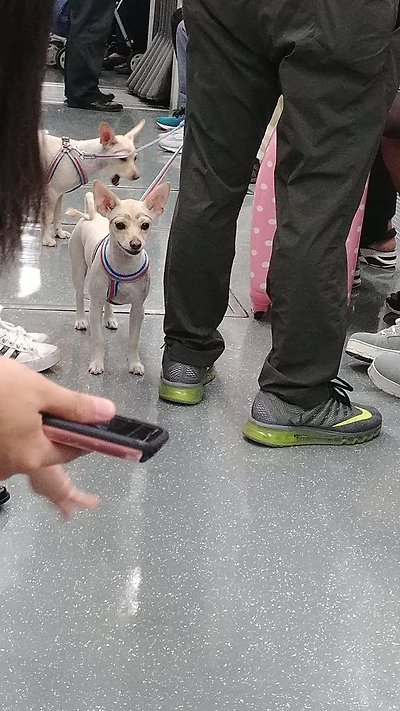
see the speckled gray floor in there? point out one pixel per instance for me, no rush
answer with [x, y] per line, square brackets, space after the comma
[219, 576]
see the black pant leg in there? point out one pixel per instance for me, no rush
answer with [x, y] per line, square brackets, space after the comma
[338, 81]
[232, 92]
[91, 22]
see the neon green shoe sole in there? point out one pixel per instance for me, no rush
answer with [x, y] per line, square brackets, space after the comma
[276, 436]
[184, 394]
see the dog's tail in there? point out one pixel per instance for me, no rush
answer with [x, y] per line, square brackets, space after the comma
[89, 207]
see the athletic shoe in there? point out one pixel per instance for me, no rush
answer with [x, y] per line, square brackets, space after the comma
[172, 141]
[383, 260]
[276, 423]
[6, 326]
[378, 258]
[385, 373]
[357, 276]
[168, 122]
[183, 384]
[23, 349]
[367, 346]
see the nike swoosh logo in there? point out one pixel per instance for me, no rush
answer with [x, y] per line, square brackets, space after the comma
[362, 417]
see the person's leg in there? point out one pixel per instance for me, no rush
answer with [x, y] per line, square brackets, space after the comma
[380, 206]
[337, 88]
[179, 39]
[176, 19]
[378, 245]
[90, 27]
[181, 49]
[232, 92]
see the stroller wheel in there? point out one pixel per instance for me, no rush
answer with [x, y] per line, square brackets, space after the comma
[52, 50]
[133, 60]
[60, 59]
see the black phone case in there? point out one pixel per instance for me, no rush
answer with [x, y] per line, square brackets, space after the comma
[146, 437]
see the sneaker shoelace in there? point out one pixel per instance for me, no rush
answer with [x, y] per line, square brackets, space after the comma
[17, 340]
[10, 326]
[339, 389]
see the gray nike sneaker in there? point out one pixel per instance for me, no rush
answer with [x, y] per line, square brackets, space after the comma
[385, 373]
[366, 346]
[276, 423]
[183, 384]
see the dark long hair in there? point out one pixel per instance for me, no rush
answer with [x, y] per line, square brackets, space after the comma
[24, 29]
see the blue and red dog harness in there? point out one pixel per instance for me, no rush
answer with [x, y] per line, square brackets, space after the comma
[115, 278]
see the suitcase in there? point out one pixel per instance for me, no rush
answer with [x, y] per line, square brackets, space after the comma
[263, 226]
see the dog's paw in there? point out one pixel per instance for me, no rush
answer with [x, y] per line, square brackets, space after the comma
[96, 367]
[81, 325]
[49, 242]
[111, 323]
[61, 234]
[137, 368]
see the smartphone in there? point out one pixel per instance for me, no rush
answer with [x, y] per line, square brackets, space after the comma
[122, 437]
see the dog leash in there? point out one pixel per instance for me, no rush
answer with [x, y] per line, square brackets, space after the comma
[160, 138]
[76, 157]
[164, 170]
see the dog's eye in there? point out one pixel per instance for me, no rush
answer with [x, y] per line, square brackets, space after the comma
[120, 225]
[135, 159]
[145, 226]
[124, 160]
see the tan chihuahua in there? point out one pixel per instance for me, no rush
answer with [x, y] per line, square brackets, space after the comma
[70, 164]
[109, 246]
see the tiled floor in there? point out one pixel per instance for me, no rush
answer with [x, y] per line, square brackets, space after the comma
[218, 576]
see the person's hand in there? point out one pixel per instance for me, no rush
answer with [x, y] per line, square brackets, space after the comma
[54, 485]
[24, 447]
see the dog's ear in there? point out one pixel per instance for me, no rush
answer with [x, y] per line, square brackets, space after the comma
[132, 134]
[105, 200]
[107, 135]
[157, 199]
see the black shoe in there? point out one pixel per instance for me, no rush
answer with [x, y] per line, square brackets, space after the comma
[105, 98]
[4, 495]
[393, 302]
[97, 105]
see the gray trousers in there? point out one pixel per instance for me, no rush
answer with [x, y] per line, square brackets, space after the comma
[91, 22]
[335, 64]
[181, 48]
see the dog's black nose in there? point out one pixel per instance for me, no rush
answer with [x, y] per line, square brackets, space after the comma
[135, 246]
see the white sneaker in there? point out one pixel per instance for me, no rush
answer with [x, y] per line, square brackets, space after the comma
[23, 349]
[6, 326]
[367, 346]
[172, 141]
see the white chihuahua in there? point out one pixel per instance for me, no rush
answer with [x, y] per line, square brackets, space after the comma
[110, 246]
[69, 165]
